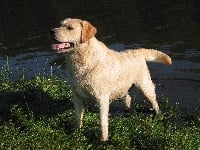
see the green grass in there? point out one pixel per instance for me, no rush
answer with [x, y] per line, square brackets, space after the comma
[38, 114]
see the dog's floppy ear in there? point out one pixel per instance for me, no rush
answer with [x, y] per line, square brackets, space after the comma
[88, 31]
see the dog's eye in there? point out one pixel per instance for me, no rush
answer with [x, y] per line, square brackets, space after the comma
[69, 28]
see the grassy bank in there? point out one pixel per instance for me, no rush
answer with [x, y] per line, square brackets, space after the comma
[38, 114]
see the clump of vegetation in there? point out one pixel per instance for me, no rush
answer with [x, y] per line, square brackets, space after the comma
[38, 114]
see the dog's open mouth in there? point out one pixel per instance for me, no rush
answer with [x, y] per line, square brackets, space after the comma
[62, 46]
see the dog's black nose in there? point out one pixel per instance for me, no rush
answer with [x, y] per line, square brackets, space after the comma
[52, 32]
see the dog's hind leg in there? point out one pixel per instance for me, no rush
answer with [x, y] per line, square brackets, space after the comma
[148, 89]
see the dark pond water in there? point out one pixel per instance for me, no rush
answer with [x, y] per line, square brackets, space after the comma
[170, 26]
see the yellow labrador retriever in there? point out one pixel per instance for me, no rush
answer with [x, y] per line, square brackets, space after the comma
[99, 74]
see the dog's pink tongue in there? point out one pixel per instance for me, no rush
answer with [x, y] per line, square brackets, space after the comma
[60, 46]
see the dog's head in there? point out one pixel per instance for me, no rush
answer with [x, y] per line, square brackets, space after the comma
[71, 33]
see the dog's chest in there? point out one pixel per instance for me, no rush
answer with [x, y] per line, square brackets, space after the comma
[80, 80]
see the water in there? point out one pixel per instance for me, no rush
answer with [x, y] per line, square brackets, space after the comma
[174, 29]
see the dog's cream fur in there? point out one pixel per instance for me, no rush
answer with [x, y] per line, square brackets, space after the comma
[99, 74]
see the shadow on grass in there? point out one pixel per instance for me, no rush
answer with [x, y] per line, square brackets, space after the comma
[32, 101]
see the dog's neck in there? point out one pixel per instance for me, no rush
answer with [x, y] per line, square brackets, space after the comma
[86, 51]
[86, 54]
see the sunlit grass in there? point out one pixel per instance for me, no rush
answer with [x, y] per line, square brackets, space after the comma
[38, 114]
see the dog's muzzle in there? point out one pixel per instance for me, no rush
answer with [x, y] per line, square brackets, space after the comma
[59, 46]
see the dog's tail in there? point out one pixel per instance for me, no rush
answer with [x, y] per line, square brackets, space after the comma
[153, 55]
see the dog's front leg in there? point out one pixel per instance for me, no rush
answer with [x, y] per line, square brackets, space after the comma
[79, 110]
[104, 109]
